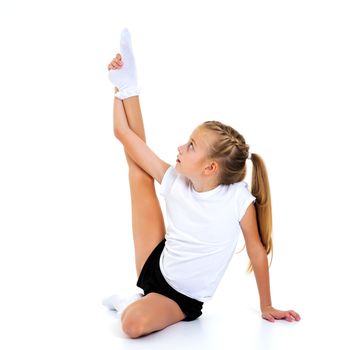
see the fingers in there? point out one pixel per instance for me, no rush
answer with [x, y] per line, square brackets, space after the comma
[284, 315]
[116, 63]
[269, 317]
[295, 315]
[289, 316]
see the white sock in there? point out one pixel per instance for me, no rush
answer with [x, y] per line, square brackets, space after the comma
[125, 78]
[117, 302]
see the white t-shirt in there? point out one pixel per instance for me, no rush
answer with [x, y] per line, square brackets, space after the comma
[202, 233]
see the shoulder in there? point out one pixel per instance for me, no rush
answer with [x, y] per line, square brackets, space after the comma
[169, 178]
[242, 188]
[242, 185]
[239, 189]
[242, 197]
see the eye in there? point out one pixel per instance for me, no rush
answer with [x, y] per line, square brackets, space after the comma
[190, 145]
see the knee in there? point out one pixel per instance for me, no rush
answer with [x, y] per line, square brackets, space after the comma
[134, 325]
[118, 133]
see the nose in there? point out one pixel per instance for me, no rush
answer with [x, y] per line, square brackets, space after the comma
[179, 149]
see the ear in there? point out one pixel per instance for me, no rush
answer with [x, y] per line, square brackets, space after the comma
[212, 168]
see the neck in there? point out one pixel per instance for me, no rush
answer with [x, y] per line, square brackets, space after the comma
[204, 186]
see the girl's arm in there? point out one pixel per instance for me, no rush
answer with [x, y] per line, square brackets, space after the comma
[136, 148]
[258, 258]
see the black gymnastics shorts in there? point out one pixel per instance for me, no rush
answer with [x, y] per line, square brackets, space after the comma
[152, 280]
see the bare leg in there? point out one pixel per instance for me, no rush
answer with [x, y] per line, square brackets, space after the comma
[149, 314]
[147, 218]
[154, 311]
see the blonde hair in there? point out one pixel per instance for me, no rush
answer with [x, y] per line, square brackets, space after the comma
[231, 152]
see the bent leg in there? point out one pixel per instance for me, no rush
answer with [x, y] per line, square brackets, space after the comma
[149, 314]
[147, 218]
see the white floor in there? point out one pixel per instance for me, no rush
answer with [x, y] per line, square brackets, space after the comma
[65, 312]
[233, 324]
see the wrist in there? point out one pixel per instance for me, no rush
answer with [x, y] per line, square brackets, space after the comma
[265, 307]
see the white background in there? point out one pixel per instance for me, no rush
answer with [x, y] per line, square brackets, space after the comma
[276, 71]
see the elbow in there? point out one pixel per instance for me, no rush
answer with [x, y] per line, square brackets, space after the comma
[256, 254]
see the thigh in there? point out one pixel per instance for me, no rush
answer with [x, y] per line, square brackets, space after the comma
[149, 314]
[147, 217]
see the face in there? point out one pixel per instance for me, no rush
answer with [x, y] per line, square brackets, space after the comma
[192, 160]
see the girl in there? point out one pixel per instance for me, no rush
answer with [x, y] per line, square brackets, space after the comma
[208, 204]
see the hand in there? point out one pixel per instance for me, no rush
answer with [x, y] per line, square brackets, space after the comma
[270, 314]
[116, 63]
[122, 69]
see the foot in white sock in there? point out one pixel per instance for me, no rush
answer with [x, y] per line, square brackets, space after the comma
[119, 303]
[125, 78]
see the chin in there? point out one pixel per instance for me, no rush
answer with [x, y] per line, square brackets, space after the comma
[177, 168]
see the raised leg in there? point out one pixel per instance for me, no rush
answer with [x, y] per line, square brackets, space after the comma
[147, 218]
[149, 314]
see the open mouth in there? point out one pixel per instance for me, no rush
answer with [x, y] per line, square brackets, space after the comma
[178, 160]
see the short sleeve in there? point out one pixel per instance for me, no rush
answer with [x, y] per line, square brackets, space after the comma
[168, 180]
[245, 198]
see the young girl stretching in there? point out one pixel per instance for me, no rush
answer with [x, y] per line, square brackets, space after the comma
[208, 205]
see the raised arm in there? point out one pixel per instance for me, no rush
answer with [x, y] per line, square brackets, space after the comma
[128, 124]
[258, 258]
[136, 148]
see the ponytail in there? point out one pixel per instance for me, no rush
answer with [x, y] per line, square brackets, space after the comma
[260, 189]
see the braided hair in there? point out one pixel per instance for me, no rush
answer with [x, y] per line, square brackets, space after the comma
[230, 150]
